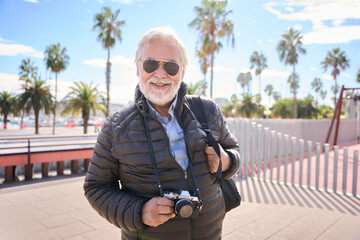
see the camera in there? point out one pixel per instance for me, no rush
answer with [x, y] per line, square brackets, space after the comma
[185, 205]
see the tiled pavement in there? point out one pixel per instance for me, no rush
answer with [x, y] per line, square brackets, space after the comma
[55, 208]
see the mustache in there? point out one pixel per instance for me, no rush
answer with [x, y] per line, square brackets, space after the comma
[160, 81]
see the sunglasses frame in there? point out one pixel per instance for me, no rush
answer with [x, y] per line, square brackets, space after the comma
[163, 61]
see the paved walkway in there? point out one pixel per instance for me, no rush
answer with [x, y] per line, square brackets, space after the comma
[55, 208]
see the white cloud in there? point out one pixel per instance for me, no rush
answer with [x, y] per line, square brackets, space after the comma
[337, 22]
[297, 27]
[115, 60]
[327, 77]
[268, 73]
[270, 40]
[318, 12]
[31, 1]
[5, 41]
[220, 68]
[9, 82]
[259, 41]
[345, 75]
[18, 49]
[342, 34]
[289, 9]
[312, 69]
[128, 1]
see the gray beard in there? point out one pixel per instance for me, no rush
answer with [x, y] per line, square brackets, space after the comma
[158, 98]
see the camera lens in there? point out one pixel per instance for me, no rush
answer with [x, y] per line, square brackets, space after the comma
[184, 208]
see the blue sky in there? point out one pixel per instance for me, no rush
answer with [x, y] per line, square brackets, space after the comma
[27, 27]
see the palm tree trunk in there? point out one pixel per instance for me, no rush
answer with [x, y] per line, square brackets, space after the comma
[55, 103]
[211, 75]
[36, 121]
[335, 92]
[317, 105]
[259, 86]
[86, 120]
[108, 64]
[5, 120]
[22, 117]
[295, 100]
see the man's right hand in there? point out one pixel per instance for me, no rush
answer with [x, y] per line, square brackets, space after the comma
[157, 210]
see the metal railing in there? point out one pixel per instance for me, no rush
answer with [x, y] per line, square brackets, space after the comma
[270, 155]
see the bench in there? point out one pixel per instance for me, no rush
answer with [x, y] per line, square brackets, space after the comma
[15, 151]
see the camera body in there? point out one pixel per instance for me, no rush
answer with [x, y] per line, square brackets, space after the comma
[185, 205]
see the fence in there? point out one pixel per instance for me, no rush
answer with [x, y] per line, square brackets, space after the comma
[272, 155]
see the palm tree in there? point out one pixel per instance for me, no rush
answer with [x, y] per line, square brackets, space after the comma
[244, 79]
[317, 86]
[108, 27]
[199, 88]
[27, 70]
[56, 60]
[6, 105]
[36, 96]
[335, 59]
[83, 99]
[212, 23]
[289, 48]
[293, 81]
[258, 60]
[269, 89]
[248, 106]
[276, 96]
[229, 109]
[358, 76]
[204, 64]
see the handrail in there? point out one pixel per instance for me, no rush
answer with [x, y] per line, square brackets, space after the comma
[46, 145]
[46, 137]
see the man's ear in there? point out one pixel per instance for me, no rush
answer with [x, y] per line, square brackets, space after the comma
[183, 72]
[137, 69]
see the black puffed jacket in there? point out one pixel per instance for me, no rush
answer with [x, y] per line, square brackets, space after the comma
[121, 176]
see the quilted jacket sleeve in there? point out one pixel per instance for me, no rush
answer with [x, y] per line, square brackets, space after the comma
[226, 139]
[101, 186]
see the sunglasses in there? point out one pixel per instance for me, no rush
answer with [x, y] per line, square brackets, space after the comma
[151, 65]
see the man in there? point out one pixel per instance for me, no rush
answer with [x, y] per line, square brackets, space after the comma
[155, 146]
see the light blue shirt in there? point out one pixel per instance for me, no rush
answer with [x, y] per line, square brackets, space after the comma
[175, 134]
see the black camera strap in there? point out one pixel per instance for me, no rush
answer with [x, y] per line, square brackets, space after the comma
[156, 169]
[153, 157]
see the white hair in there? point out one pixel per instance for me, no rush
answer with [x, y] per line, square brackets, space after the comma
[162, 33]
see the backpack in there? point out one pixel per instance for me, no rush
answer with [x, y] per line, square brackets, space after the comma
[231, 194]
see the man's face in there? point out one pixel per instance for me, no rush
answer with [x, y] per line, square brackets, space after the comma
[159, 87]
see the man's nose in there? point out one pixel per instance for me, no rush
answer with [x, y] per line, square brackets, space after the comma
[160, 72]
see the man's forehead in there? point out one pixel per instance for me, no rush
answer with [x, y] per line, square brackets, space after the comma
[159, 59]
[161, 49]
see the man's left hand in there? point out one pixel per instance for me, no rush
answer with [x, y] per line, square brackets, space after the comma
[213, 159]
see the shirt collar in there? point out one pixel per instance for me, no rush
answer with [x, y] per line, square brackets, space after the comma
[171, 109]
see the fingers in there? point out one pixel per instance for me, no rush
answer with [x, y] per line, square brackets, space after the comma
[213, 159]
[157, 210]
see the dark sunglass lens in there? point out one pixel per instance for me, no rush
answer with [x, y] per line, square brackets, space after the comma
[150, 66]
[171, 68]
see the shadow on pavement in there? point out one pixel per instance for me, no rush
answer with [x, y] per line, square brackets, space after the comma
[264, 192]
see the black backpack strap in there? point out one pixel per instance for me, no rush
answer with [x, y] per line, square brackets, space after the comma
[197, 107]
